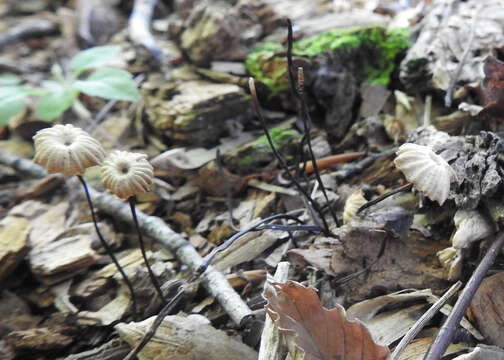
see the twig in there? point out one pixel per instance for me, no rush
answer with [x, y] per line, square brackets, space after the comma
[256, 226]
[156, 323]
[447, 331]
[329, 161]
[361, 165]
[213, 280]
[270, 337]
[426, 317]
[370, 203]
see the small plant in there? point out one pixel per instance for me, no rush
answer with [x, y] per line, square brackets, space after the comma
[57, 95]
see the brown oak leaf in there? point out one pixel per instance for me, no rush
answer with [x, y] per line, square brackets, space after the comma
[321, 333]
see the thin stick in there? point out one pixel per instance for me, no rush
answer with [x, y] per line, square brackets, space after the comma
[107, 247]
[370, 203]
[157, 322]
[131, 201]
[447, 331]
[232, 239]
[426, 317]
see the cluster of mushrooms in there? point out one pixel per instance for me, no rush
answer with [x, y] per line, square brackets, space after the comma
[70, 150]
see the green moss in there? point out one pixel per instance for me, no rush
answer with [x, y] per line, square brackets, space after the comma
[247, 160]
[279, 136]
[267, 63]
[331, 40]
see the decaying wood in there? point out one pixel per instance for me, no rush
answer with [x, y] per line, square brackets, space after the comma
[214, 281]
[190, 337]
[113, 350]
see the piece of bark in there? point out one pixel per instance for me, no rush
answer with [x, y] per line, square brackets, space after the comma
[181, 338]
[40, 339]
[194, 112]
[434, 58]
[113, 350]
[13, 243]
[62, 259]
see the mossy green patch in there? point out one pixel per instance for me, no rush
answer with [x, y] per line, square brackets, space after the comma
[280, 138]
[267, 63]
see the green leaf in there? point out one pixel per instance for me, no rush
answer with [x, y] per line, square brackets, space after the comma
[12, 102]
[93, 58]
[9, 79]
[54, 103]
[109, 83]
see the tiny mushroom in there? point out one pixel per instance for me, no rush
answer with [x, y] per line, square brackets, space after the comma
[127, 174]
[429, 172]
[67, 149]
[70, 150]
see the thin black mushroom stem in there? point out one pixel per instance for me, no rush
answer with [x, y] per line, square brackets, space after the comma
[69, 150]
[127, 174]
[131, 201]
[107, 248]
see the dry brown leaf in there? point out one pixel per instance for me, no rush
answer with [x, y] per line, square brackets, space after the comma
[322, 334]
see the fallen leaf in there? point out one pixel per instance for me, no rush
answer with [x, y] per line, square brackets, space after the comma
[487, 307]
[322, 334]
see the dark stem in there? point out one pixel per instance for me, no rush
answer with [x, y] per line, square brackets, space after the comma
[305, 116]
[131, 201]
[227, 185]
[108, 249]
[445, 335]
[370, 203]
[283, 164]
[257, 226]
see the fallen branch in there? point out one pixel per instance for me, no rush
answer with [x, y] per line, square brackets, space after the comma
[213, 280]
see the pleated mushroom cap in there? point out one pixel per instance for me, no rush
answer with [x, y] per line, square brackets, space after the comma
[429, 172]
[67, 149]
[127, 174]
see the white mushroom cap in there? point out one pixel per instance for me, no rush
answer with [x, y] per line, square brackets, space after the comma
[352, 204]
[429, 172]
[67, 149]
[127, 174]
